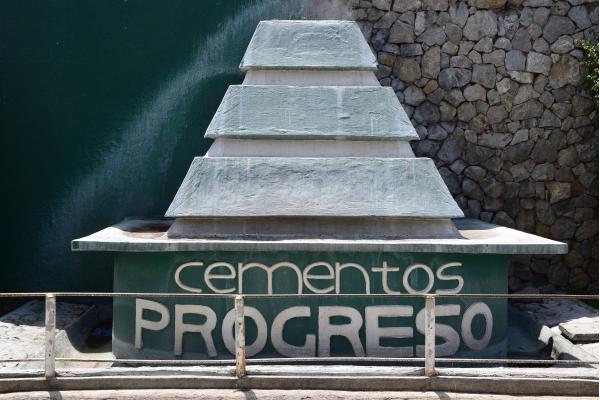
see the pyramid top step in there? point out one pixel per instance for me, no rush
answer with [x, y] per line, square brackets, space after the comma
[308, 45]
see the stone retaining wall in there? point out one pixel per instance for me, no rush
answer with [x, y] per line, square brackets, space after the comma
[492, 88]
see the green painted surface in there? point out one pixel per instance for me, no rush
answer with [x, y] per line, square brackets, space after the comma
[314, 112]
[335, 187]
[139, 272]
[333, 45]
[102, 108]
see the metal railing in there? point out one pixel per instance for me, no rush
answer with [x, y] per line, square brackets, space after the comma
[241, 361]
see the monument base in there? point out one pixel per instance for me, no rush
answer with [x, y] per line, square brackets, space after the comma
[308, 327]
[147, 260]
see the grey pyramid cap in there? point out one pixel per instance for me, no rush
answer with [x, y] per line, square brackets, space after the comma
[320, 45]
[313, 187]
[311, 112]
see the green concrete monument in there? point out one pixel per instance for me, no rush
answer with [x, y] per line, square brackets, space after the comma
[311, 187]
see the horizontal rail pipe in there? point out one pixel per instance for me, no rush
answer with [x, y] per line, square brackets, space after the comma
[306, 295]
[277, 360]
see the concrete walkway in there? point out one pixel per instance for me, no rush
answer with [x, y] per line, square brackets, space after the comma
[263, 395]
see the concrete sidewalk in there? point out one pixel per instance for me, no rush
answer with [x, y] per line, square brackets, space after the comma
[219, 394]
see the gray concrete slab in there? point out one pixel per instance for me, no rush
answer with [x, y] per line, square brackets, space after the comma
[582, 329]
[564, 349]
[546, 317]
[332, 45]
[313, 187]
[593, 349]
[137, 235]
[311, 112]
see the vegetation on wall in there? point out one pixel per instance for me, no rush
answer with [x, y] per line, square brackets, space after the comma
[590, 61]
[494, 90]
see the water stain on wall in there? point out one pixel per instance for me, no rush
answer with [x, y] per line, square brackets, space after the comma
[102, 108]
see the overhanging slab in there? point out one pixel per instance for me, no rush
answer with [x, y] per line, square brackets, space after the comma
[478, 237]
[311, 112]
[313, 187]
[331, 45]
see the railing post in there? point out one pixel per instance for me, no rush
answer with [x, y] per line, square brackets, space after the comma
[240, 337]
[49, 362]
[430, 336]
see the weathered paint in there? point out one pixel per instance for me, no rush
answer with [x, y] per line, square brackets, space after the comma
[334, 45]
[336, 187]
[311, 112]
[183, 273]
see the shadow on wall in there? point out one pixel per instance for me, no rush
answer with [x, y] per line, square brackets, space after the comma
[101, 117]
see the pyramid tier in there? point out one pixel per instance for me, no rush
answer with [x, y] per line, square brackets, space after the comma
[325, 45]
[311, 112]
[313, 187]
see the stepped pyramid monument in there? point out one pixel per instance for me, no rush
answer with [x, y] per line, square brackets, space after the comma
[311, 187]
[318, 150]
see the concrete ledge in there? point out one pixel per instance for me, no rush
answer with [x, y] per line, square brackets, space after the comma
[149, 235]
[331, 370]
[497, 382]
[580, 330]
[563, 349]
[327, 45]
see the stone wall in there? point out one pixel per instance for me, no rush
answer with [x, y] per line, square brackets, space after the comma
[492, 88]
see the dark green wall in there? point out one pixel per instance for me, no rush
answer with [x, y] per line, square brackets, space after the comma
[103, 105]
